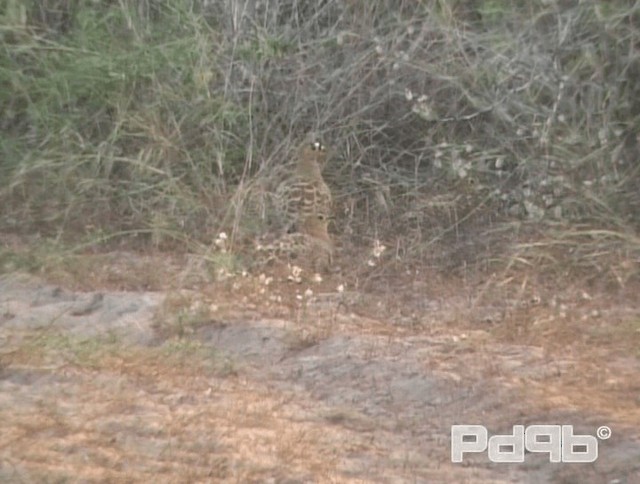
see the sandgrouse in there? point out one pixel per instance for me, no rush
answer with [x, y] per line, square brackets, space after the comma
[303, 203]
[304, 197]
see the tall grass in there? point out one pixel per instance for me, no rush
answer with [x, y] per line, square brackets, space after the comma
[170, 119]
[113, 125]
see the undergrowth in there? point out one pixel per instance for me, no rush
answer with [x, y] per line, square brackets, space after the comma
[454, 127]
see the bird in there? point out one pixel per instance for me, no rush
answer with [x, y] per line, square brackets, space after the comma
[310, 252]
[319, 247]
[304, 196]
[303, 204]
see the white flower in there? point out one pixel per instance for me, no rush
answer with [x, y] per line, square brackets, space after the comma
[378, 249]
[294, 274]
[221, 242]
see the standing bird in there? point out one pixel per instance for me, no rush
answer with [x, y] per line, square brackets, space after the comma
[303, 207]
[304, 198]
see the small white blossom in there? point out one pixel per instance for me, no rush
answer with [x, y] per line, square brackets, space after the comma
[294, 274]
[221, 242]
[378, 249]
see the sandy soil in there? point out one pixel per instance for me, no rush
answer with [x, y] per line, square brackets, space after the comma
[253, 379]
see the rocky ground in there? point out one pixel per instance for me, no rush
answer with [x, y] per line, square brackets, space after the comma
[120, 373]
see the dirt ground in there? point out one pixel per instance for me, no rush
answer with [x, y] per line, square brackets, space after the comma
[121, 367]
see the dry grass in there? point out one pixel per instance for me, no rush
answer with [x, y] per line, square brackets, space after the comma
[151, 425]
[161, 124]
[483, 160]
[187, 409]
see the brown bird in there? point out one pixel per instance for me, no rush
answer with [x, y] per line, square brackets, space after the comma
[319, 246]
[305, 196]
[304, 250]
[303, 208]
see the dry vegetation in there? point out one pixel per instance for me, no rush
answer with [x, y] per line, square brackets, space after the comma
[461, 131]
[484, 160]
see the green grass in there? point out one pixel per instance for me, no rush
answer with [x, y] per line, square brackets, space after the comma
[153, 122]
[114, 122]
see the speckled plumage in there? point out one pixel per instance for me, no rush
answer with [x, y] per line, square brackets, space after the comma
[304, 196]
